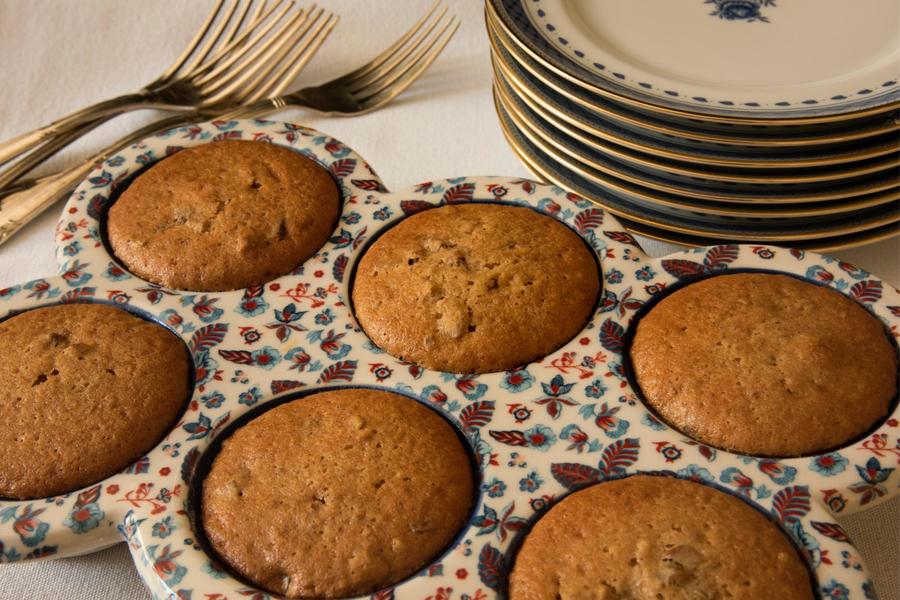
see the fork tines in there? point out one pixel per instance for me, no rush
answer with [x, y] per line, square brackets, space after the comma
[399, 65]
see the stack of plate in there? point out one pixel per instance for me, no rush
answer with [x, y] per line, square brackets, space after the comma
[704, 120]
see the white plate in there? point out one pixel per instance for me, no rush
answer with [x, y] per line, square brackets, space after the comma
[746, 56]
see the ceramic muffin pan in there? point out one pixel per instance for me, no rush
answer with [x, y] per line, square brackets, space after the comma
[536, 433]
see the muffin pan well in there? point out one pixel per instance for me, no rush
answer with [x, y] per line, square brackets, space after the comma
[537, 432]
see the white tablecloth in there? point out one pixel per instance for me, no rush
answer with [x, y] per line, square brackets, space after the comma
[60, 55]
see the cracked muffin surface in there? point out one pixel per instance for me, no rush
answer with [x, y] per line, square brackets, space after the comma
[475, 288]
[764, 364]
[87, 390]
[337, 494]
[223, 216]
[647, 537]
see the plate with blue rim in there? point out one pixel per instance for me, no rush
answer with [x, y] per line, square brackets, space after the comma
[731, 60]
[692, 223]
[692, 132]
[707, 176]
[646, 187]
[697, 154]
[752, 146]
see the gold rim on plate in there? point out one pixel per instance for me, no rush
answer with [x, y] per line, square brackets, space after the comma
[754, 162]
[496, 21]
[830, 244]
[531, 164]
[647, 160]
[778, 211]
[531, 96]
[887, 126]
[620, 180]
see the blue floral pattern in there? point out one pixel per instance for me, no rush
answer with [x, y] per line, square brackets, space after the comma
[741, 10]
[536, 433]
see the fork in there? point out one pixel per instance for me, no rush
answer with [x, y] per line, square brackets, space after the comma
[263, 72]
[375, 83]
[367, 88]
[214, 67]
[23, 201]
[362, 90]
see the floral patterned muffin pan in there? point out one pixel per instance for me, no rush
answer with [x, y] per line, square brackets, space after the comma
[535, 433]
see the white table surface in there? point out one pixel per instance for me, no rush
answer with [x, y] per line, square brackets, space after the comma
[60, 55]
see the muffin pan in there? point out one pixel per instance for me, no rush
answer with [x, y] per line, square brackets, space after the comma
[536, 433]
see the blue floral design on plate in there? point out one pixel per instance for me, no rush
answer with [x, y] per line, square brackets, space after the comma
[741, 10]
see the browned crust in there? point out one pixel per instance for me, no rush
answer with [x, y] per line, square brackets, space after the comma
[223, 216]
[475, 288]
[765, 364]
[656, 537]
[87, 389]
[337, 494]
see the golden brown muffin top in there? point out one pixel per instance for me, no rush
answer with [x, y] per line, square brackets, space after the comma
[223, 216]
[475, 288]
[337, 494]
[647, 537]
[87, 390]
[764, 364]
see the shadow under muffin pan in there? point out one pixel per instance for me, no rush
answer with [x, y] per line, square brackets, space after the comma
[537, 433]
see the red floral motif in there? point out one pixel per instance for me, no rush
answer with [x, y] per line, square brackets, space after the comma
[165, 565]
[143, 495]
[520, 412]
[380, 370]
[300, 293]
[878, 445]
[567, 363]
[441, 593]
[835, 500]
[670, 451]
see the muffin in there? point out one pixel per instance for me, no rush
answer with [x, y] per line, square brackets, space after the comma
[475, 288]
[87, 390]
[656, 537]
[337, 494]
[764, 364]
[223, 216]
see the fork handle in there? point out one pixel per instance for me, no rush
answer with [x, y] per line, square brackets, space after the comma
[20, 208]
[256, 109]
[14, 172]
[98, 113]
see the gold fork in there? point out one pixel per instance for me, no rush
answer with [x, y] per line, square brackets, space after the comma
[265, 73]
[375, 83]
[216, 66]
[26, 200]
[362, 90]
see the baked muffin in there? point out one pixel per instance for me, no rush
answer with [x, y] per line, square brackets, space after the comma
[764, 364]
[87, 390]
[223, 216]
[347, 491]
[656, 537]
[475, 288]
